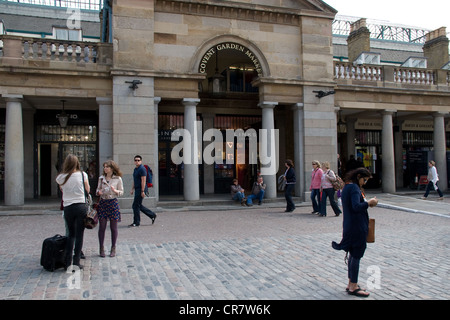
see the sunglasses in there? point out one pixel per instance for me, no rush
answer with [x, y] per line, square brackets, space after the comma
[137, 160]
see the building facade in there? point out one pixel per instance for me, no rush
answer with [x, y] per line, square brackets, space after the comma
[265, 72]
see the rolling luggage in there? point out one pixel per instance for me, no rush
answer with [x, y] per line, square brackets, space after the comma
[53, 252]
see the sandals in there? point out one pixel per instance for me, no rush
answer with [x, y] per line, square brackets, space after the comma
[359, 293]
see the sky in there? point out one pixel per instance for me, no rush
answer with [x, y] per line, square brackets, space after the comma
[427, 14]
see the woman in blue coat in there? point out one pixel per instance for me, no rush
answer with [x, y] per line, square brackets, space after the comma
[355, 225]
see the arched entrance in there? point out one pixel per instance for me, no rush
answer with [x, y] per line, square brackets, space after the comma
[231, 66]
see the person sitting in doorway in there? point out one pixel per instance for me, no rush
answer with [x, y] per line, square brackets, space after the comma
[237, 192]
[258, 190]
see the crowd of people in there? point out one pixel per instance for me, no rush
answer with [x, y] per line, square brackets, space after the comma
[75, 187]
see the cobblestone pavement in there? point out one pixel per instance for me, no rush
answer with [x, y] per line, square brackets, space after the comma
[242, 254]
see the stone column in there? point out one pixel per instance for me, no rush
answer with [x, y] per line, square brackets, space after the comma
[14, 155]
[388, 160]
[299, 148]
[398, 142]
[191, 177]
[440, 152]
[105, 131]
[155, 160]
[350, 137]
[268, 152]
[208, 169]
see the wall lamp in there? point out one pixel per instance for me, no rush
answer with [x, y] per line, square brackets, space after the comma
[134, 84]
[321, 94]
[63, 117]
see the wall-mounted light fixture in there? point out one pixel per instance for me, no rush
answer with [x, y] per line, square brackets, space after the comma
[341, 125]
[134, 84]
[63, 117]
[321, 94]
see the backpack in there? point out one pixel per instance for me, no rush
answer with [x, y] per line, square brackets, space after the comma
[149, 176]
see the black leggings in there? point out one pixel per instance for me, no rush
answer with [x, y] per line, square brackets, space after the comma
[74, 216]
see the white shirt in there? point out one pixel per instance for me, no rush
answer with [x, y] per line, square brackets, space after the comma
[73, 189]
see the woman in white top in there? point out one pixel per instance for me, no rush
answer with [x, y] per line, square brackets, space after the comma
[70, 181]
[110, 186]
[433, 179]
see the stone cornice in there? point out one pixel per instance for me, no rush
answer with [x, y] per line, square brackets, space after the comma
[241, 11]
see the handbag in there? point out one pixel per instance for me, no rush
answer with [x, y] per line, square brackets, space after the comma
[91, 218]
[338, 184]
[371, 233]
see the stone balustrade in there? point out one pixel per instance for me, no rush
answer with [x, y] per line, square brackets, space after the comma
[39, 49]
[346, 71]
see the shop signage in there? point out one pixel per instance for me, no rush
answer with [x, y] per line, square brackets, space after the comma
[229, 46]
[417, 125]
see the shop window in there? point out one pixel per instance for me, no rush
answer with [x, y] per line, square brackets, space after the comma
[240, 79]
[418, 138]
[367, 137]
[74, 133]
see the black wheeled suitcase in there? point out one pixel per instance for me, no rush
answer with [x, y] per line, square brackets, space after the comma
[53, 252]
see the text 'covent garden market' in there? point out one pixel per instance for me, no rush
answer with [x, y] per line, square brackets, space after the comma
[292, 80]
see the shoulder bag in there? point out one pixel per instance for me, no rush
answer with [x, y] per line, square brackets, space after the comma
[91, 219]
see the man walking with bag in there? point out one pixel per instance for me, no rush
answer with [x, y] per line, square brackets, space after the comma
[139, 188]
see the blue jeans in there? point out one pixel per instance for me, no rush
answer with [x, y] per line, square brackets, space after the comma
[238, 196]
[431, 187]
[258, 196]
[329, 192]
[138, 207]
[315, 199]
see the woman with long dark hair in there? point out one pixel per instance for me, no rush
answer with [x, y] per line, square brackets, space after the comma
[355, 225]
[70, 181]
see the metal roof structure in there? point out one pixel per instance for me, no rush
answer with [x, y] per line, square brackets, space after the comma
[381, 30]
[78, 4]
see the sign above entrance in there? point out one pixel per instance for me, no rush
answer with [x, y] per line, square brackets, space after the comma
[230, 46]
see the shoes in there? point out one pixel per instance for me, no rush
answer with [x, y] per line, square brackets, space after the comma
[154, 218]
[249, 205]
[102, 251]
[314, 212]
[424, 198]
[133, 225]
[112, 254]
[82, 256]
[441, 198]
[338, 214]
[359, 293]
[259, 203]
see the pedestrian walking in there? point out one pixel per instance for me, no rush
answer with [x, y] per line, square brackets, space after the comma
[355, 225]
[316, 181]
[289, 177]
[237, 192]
[258, 190]
[139, 189]
[327, 190]
[433, 179]
[109, 187]
[74, 185]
